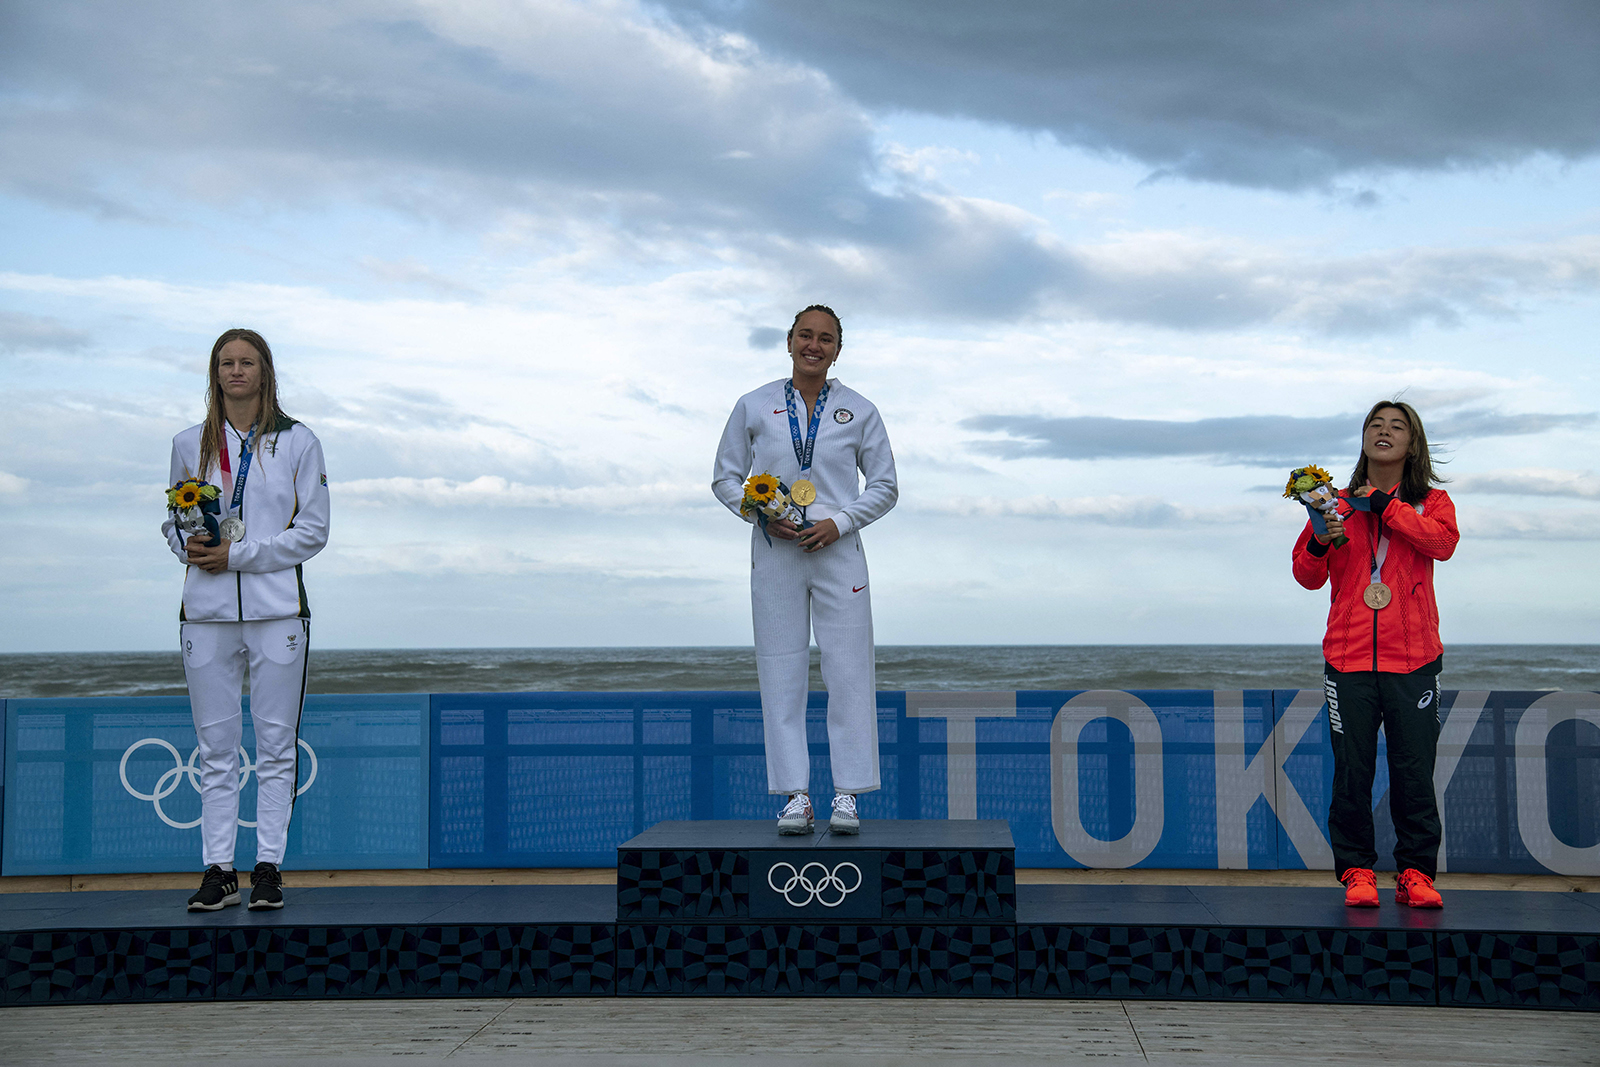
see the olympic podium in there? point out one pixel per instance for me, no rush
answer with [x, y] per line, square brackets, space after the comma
[926, 908]
[905, 907]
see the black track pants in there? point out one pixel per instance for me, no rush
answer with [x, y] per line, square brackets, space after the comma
[1407, 706]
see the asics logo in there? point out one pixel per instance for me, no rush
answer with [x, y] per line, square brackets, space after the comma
[827, 889]
[1427, 698]
[167, 784]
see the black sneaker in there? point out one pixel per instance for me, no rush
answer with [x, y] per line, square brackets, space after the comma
[218, 889]
[266, 887]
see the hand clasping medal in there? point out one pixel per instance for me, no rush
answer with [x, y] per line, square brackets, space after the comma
[1377, 596]
[802, 492]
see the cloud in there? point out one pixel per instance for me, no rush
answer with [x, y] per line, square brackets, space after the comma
[411, 273]
[490, 491]
[35, 333]
[1530, 481]
[1141, 512]
[1466, 425]
[1286, 96]
[12, 485]
[649, 400]
[1187, 282]
[575, 127]
[1530, 525]
[1251, 440]
[567, 107]
[766, 336]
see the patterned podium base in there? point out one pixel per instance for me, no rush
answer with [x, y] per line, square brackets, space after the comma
[931, 916]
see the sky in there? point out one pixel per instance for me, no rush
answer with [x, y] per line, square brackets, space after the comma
[1108, 271]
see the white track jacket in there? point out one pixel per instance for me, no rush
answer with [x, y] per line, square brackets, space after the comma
[285, 512]
[850, 437]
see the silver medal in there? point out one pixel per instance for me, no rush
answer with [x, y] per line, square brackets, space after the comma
[232, 528]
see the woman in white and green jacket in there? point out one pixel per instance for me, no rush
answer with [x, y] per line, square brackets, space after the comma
[244, 602]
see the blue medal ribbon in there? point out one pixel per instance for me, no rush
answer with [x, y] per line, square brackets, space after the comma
[802, 453]
[245, 456]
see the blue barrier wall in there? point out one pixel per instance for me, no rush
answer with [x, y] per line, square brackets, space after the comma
[1174, 779]
[106, 785]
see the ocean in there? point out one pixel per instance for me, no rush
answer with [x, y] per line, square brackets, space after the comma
[913, 667]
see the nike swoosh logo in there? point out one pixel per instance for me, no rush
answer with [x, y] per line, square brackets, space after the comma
[858, 589]
[779, 411]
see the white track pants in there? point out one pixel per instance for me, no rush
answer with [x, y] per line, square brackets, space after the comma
[794, 594]
[214, 658]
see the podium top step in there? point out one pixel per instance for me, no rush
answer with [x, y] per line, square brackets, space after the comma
[741, 835]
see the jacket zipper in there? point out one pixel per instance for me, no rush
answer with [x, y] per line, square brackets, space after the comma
[238, 578]
[1375, 610]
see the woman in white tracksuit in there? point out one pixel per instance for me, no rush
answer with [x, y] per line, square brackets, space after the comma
[810, 428]
[244, 603]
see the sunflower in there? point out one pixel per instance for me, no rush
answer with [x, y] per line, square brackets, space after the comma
[761, 488]
[1305, 479]
[186, 495]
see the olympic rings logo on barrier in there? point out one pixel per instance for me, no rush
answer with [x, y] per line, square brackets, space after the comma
[167, 784]
[800, 879]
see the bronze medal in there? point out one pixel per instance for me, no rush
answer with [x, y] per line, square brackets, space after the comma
[802, 492]
[1377, 595]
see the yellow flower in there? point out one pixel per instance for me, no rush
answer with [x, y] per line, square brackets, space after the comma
[761, 488]
[1316, 475]
[187, 495]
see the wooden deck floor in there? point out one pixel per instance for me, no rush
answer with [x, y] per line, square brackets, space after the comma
[816, 1033]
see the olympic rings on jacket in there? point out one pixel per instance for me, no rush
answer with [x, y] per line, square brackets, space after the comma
[800, 879]
[167, 784]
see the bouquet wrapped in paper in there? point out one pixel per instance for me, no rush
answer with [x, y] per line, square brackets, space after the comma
[1313, 487]
[195, 506]
[768, 500]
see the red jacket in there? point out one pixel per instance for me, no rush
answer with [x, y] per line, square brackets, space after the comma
[1403, 636]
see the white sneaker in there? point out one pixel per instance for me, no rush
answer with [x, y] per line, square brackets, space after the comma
[795, 818]
[845, 820]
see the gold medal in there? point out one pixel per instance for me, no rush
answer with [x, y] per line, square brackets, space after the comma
[802, 492]
[1377, 595]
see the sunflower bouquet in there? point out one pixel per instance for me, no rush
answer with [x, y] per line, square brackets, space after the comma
[1312, 486]
[195, 506]
[767, 499]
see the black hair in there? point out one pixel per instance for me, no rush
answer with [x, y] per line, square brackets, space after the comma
[1418, 477]
[838, 327]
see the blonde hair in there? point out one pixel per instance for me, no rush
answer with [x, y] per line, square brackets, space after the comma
[269, 416]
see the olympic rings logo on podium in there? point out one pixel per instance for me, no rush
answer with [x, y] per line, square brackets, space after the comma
[167, 784]
[829, 883]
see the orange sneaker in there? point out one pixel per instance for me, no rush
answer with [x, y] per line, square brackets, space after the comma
[1415, 889]
[1360, 888]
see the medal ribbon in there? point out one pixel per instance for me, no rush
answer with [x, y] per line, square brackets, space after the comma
[802, 453]
[1364, 503]
[1382, 554]
[244, 469]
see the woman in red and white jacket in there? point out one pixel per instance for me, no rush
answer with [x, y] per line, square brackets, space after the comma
[1382, 651]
